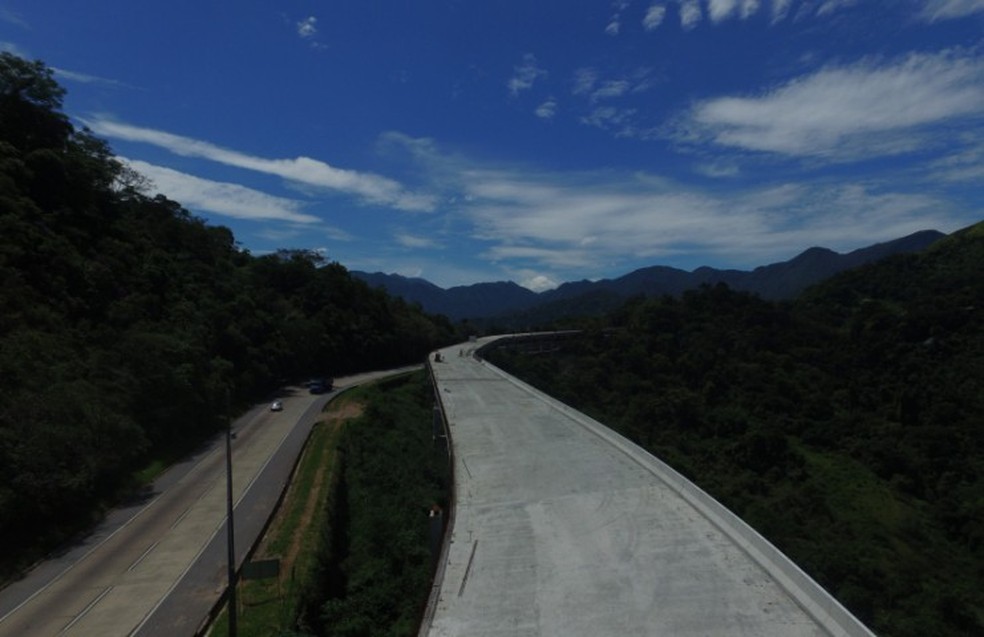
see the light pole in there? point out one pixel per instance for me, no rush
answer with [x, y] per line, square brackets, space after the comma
[231, 531]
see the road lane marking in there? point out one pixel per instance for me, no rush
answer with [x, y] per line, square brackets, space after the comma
[143, 555]
[85, 610]
[81, 559]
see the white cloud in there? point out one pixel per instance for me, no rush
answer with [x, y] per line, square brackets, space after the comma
[654, 17]
[547, 109]
[780, 9]
[308, 27]
[85, 78]
[222, 198]
[615, 23]
[830, 6]
[10, 47]
[536, 282]
[611, 118]
[690, 14]
[619, 119]
[718, 169]
[964, 164]
[583, 222]
[592, 223]
[370, 187]
[946, 9]
[749, 8]
[408, 240]
[866, 109]
[524, 75]
[718, 10]
[16, 19]
[584, 80]
[609, 89]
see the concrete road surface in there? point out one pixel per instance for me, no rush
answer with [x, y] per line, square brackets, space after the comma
[564, 528]
[158, 565]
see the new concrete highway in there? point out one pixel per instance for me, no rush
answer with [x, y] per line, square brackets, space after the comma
[562, 527]
[158, 565]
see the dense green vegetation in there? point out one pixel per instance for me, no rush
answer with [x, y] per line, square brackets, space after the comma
[375, 567]
[130, 329]
[846, 426]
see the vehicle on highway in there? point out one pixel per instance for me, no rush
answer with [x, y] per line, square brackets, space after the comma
[277, 405]
[320, 385]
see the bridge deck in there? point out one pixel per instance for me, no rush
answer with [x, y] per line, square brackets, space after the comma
[559, 532]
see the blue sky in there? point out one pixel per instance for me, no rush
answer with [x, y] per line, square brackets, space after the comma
[534, 141]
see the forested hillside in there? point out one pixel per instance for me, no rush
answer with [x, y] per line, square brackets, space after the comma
[130, 330]
[848, 426]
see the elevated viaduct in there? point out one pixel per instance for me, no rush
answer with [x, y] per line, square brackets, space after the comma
[562, 527]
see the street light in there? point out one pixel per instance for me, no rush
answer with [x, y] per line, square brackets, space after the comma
[230, 531]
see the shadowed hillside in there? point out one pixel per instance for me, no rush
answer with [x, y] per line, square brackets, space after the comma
[508, 304]
[130, 329]
[845, 426]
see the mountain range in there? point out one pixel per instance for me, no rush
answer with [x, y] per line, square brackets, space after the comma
[782, 280]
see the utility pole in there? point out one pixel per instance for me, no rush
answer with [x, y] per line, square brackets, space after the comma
[231, 532]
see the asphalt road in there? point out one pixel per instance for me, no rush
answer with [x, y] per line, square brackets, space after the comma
[157, 565]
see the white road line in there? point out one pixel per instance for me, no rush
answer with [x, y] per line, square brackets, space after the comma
[85, 610]
[143, 556]
[81, 559]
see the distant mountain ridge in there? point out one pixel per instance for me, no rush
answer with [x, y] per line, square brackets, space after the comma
[780, 280]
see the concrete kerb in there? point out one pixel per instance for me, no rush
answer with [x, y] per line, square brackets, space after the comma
[812, 597]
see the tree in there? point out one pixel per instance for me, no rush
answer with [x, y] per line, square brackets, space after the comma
[30, 103]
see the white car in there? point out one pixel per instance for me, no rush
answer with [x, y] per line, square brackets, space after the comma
[277, 405]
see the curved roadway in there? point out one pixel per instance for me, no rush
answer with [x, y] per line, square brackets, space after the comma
[158, 566]
[562, 527]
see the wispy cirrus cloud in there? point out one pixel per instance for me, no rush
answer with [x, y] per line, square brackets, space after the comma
[584, 80]
[934, 10]
[846, 112]
[584, 224]
[85, 78]
[611, 116]
[964, 164]
[654, 17]
[588, 83]
[610, 88]
[718, 10]
[830, 6]
[414, 241]
[12, 17]
[575, 222]
[780, 9]
[222, 198]
[368, 187]
[10, 47]
[524, 75]
[615, 22]
[692, 12]
[547, 109]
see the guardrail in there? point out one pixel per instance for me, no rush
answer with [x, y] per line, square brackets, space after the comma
[442, 559]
